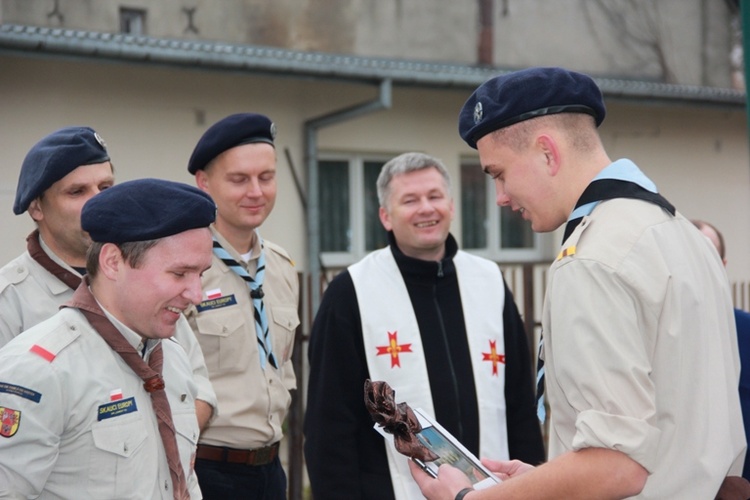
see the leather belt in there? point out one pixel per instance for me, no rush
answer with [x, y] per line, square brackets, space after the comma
[259, 456]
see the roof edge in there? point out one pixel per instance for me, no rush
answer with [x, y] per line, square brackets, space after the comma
[218, 56]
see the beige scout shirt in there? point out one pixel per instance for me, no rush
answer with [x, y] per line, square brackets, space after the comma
[29, 294]
[253, 402]
[640, 349]
[78, 422]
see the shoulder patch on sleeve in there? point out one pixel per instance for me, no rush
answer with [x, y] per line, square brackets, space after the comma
[54, 342]
[12, 275]
[279, 250]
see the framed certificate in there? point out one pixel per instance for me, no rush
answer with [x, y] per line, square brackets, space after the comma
[449, 451]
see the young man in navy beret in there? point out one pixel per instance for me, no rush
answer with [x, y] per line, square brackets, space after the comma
[247, 318]
[60, 173]
[642, 389]
[98, 401]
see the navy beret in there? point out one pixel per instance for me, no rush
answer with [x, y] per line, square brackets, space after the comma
[146, 209]
[514, 97]
[234, 130]
[54, 157]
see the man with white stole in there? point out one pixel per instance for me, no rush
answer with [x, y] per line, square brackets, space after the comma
[436, 323]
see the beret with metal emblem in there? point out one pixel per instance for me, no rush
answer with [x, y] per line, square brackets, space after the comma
[54, 157]
[146, 209]
[514, 97]
[234, 130]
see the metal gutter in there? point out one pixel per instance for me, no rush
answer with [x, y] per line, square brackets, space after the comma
[219, 56]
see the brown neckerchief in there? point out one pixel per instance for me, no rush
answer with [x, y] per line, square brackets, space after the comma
[84, 301]
[38, 254]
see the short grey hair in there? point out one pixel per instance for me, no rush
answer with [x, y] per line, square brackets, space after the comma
[403, 164]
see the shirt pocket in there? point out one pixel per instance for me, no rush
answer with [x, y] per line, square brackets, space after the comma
[223, 336]
[119, 457]
[286, 321]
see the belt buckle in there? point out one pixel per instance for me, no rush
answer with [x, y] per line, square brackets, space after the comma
[262, 455]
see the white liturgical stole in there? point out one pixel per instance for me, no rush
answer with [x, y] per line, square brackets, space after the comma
[393, 347]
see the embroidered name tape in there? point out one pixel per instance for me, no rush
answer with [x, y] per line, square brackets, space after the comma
[23, 392]
[209, 305]
[122, 407]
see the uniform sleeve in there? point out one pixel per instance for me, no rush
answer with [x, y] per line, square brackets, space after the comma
[524, 432]
[32, 412]
[288, 376]
[601, 363]
[186, 338]
[337, 426]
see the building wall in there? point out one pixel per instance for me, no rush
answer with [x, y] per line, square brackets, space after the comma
[675, 41]
[152, 116]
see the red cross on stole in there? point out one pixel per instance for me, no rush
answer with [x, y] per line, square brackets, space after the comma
[394, 349]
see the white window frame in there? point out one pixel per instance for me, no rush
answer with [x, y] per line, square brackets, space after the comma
[133, 21]
[542, 241]
[356, 171]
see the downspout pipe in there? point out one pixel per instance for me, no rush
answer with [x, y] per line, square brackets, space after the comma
[311, 128]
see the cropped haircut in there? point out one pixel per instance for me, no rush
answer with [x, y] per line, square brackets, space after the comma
[404, 164]
[579, 128]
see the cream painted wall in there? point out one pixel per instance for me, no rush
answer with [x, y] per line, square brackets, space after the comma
[151, 118]
[699, 160]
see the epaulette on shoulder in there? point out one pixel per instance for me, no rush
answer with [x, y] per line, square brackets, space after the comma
[566, 252]
[12, 275]
[49, 346]
[279, 250]
[571, 243]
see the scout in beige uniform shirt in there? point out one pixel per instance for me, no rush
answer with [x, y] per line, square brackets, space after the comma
[686, 431]
[30, 294]
[58, 418]
[639, 343]
[98, 401]
[253, 402]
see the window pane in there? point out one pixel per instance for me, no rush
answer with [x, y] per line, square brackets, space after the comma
[133, 21]
[375, 234]
[473, 207]
[335, 226]
[514, 231]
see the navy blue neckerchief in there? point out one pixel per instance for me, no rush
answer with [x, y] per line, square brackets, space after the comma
[608, 189]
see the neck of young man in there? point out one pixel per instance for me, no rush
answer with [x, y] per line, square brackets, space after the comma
[241, 239]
